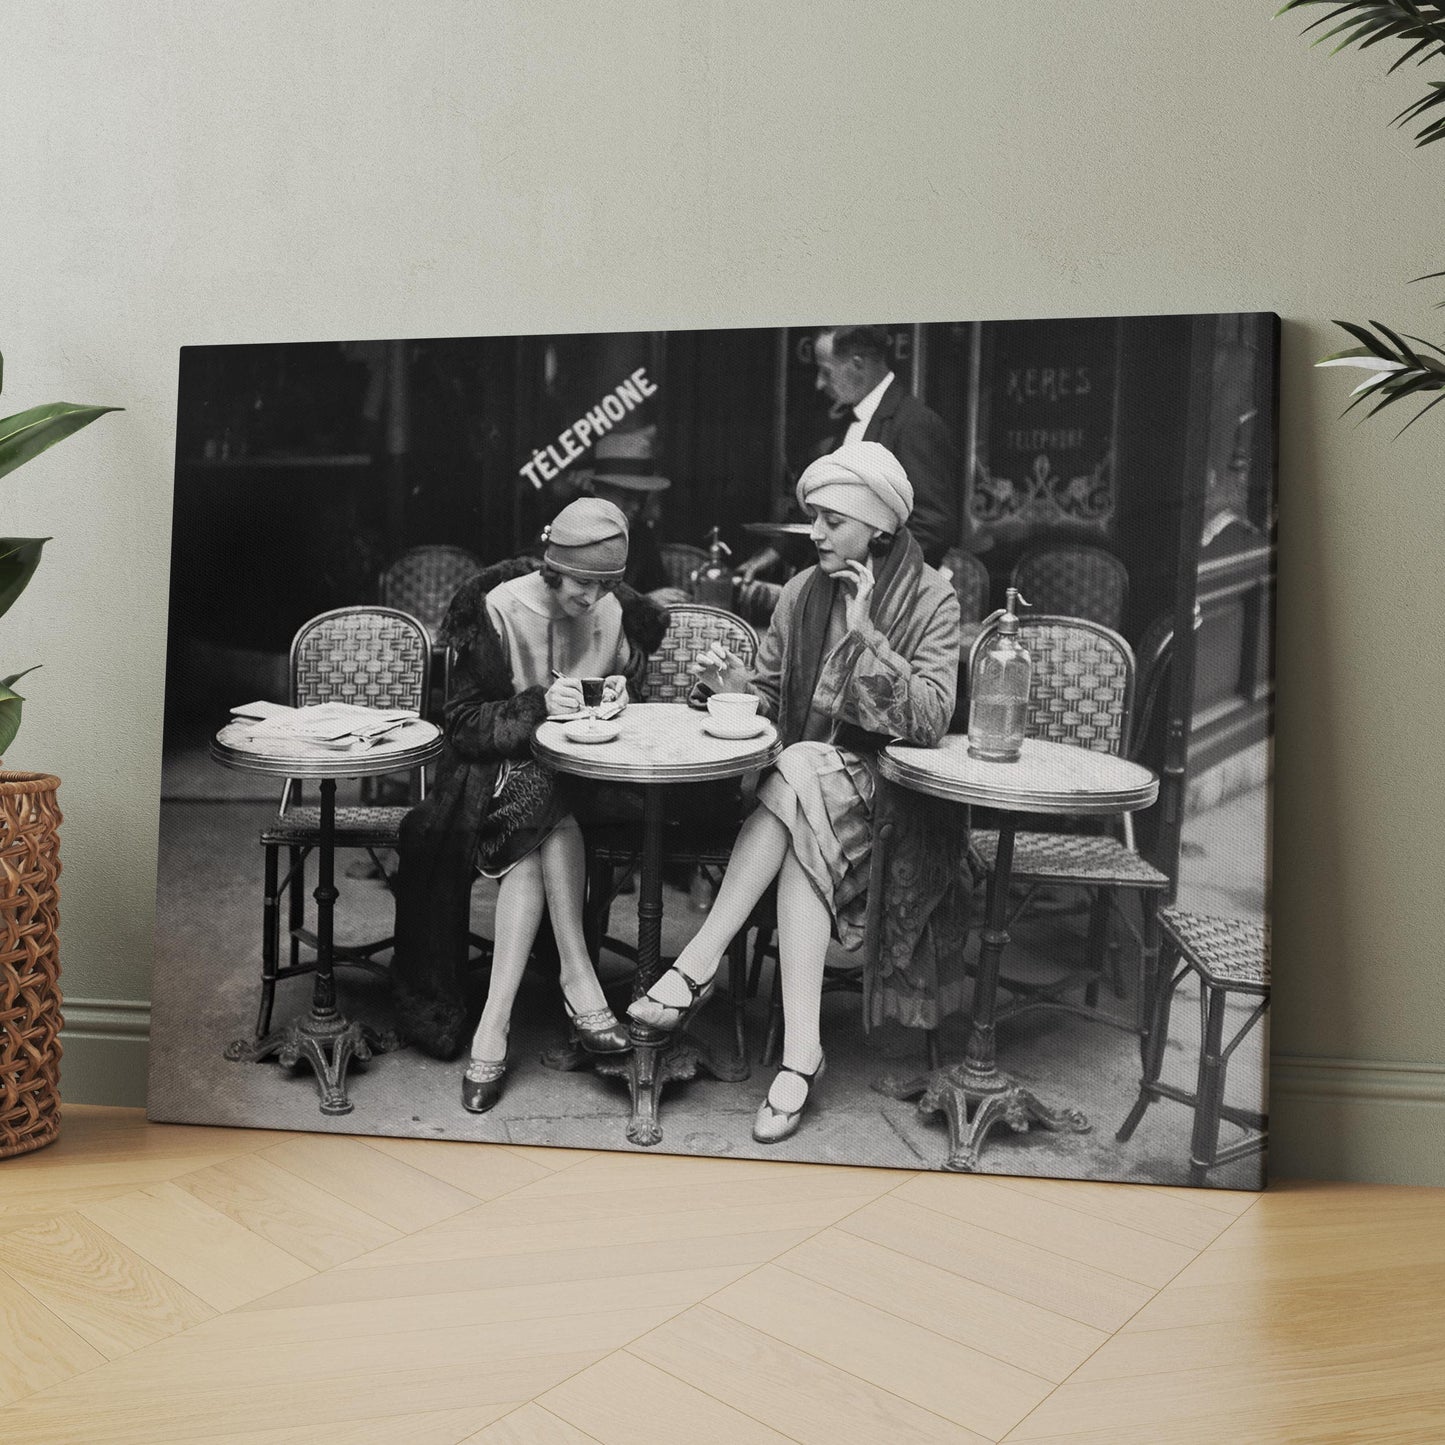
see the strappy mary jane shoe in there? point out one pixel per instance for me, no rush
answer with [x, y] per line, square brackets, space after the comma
[482, 1085]
[772, 1126]
[598, 1032]
[676, 1019]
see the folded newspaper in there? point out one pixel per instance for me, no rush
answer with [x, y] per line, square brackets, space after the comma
[336, 725]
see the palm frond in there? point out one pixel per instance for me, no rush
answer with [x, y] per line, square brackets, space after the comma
[1397, 370]
[1419, 24]
[1418, 415]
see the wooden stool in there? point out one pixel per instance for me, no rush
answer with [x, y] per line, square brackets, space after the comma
[1229, 956]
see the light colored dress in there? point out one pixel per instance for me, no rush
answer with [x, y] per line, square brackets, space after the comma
[537, 637]
[827, 805]
[823, 792]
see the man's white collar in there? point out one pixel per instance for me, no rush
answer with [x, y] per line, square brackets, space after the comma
[865, 408]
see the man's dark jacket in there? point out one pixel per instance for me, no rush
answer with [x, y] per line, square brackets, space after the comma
[921, 441]
[487, 722]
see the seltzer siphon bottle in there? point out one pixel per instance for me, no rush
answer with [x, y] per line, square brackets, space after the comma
[713, 582]
[998, 688]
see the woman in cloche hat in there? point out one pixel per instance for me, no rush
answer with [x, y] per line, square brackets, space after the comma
[523, 638]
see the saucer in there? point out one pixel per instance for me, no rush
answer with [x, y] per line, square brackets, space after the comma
[591, 730]
[753, 728]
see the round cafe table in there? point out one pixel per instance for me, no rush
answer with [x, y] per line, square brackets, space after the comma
[325, 1039]
[659, 745]
[1047, 778]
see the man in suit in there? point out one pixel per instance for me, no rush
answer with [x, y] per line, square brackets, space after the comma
[854, 371]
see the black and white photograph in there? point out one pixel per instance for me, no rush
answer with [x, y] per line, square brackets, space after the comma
[842, 743]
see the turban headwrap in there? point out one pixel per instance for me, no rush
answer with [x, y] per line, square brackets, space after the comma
[863, 480]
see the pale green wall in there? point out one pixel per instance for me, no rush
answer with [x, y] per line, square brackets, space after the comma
[260, 171]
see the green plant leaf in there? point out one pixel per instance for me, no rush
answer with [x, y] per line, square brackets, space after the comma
[1373, 346]
[1393, 394]
[19, 557]
[1418, 415]
[1405, 352]
[10, 704]
[1358, 356]
[28, 433]
[1363, 23]
[1420, 341]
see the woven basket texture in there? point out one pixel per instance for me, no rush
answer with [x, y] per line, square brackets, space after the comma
[691, 627]
[30, 1018]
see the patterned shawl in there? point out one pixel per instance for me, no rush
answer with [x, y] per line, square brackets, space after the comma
[895, 590]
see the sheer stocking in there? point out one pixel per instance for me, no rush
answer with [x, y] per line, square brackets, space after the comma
[520, 899]
[804, 928]
[762, 845]
[564, 872]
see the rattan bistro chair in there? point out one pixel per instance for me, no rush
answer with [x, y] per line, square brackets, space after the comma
[1227, 956]
[373, 657]
[970, 583]
[691, 627]
[423, 581]
[1083, 693]
[1074, 580]
[704, 818]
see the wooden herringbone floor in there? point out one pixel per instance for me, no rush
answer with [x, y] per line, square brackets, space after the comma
[162, 1283]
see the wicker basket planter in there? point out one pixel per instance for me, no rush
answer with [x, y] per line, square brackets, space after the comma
[29, 962]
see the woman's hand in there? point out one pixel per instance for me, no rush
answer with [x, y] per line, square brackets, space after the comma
[721, 670]
[614, 690]
[564, 696]
[858, 576]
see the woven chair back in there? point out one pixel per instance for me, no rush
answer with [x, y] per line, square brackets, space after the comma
[691, 627]
[423, 581]
[680, 560]
[1083, 687]
[970, 582]
[370, 656]
[1073, 580]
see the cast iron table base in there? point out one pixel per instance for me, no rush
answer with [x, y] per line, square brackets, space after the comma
[324, 1039]
[977, 1081]
[328, 1043]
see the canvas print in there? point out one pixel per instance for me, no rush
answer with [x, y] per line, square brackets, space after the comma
[844, 743]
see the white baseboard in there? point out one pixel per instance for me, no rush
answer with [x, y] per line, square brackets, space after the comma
[1354, 1119]
[1362, 1120]
[104, 1046]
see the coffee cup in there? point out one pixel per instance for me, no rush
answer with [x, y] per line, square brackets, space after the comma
[733, 710]
[592, 691]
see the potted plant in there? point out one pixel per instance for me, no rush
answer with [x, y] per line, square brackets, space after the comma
[29, 845]
[1401, 366]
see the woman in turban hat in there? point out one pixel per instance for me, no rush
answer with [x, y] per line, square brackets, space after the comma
[862, 650]
[524, 636]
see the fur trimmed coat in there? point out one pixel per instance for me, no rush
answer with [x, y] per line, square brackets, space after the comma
[487, 723]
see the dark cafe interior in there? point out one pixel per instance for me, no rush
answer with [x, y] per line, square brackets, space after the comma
[305, 471]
